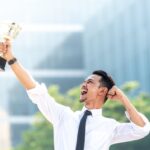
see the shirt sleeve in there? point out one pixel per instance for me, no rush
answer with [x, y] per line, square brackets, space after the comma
[53, 111]
[125, 132]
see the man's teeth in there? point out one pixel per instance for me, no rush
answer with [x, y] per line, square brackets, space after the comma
[84, 92]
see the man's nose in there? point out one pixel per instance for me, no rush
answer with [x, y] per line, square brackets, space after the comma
[84, 84]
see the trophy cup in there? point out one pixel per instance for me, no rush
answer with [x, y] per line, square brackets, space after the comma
[10, 31]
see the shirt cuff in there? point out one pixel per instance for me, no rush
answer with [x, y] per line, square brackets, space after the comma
[146, 127]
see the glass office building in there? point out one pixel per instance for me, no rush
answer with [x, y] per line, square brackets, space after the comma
[116, 40]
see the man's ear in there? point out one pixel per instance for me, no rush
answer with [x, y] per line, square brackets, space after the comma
[103, 90]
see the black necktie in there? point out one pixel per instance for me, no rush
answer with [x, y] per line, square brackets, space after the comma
[81, 131]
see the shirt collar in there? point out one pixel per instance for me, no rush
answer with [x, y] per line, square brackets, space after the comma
[95, 112]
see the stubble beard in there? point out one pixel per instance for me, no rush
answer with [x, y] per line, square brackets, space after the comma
[82, 100]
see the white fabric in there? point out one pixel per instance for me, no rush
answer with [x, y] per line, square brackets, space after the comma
[101, 132]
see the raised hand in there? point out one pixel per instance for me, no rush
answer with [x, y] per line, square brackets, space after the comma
[6, 49]
[115, 94]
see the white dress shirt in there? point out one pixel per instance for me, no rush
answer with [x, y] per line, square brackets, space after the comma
[101, 132]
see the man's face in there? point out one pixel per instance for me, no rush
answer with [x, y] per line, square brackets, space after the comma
[90, 88]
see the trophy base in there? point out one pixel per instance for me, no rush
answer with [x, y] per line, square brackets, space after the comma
[2, 64]
[1, 54]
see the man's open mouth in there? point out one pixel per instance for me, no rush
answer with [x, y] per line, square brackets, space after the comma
[83, 92]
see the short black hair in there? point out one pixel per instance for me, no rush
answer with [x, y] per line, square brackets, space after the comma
[106, 80]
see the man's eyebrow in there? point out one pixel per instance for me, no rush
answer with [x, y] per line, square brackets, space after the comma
[88, 80]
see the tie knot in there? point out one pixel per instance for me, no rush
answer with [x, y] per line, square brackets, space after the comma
[87, 113]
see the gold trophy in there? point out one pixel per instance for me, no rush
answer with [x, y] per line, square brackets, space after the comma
[10, 31]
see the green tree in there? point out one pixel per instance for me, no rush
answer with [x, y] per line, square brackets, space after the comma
[40, 136]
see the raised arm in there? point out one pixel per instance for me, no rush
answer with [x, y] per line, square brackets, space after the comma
[38, 93]
[21, 73]
[116, 94]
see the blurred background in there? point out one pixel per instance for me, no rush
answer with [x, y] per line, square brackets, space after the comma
[62, 42]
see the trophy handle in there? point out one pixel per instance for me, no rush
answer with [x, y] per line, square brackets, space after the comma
[11, 27]
[14, 30]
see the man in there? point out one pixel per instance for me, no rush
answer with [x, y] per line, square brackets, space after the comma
[86, 129]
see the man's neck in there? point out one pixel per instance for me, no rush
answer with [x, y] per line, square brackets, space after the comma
[93, 106]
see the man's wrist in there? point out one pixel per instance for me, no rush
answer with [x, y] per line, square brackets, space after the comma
[8, 58]
[124, 100]
[12, 61]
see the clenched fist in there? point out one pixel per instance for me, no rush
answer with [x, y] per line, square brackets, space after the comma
[115, 94]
